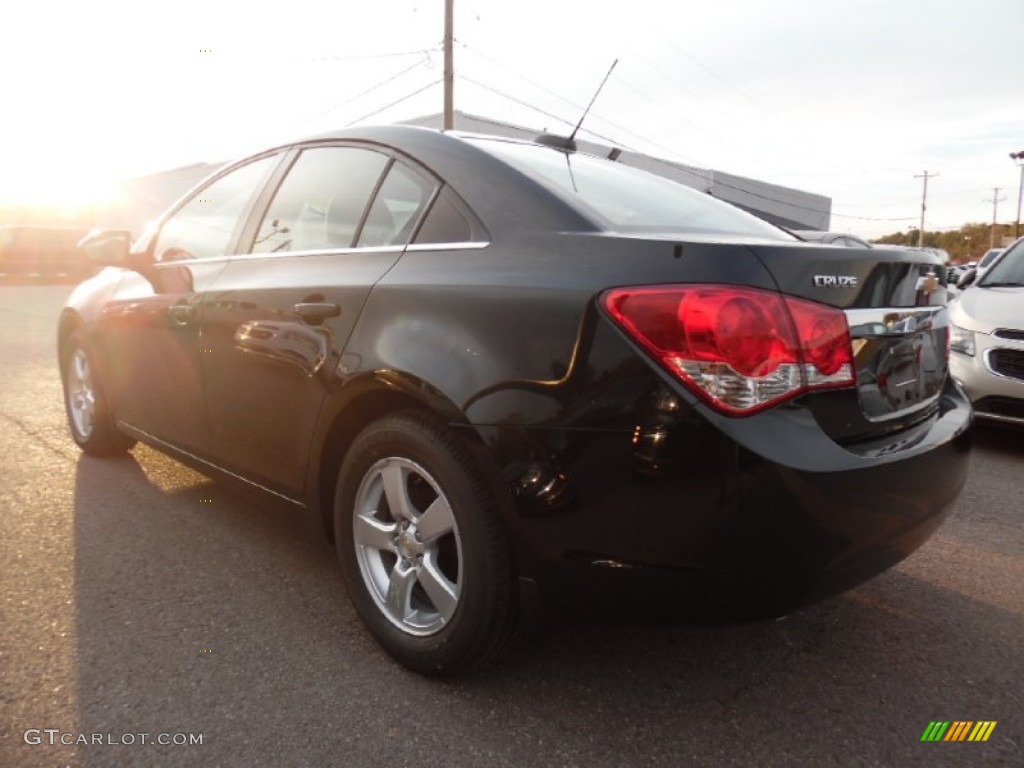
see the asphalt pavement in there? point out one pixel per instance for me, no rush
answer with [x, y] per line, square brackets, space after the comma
[138, 597]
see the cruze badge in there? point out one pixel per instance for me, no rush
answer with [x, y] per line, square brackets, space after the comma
[835, 281]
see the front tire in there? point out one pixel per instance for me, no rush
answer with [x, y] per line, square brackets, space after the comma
[89, 417]
[423, 548]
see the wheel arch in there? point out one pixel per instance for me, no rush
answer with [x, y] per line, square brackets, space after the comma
[358, 404]
[69, 322]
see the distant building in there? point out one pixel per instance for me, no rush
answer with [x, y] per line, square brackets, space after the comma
[146, 196]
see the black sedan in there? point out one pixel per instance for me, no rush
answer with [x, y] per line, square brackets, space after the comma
[504, 372]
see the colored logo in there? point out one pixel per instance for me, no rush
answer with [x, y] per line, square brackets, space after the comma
[958, 730]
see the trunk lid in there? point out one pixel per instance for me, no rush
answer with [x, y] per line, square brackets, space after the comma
[895, 303]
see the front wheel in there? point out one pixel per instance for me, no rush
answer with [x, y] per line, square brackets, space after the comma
[422, 546]
[89, 417]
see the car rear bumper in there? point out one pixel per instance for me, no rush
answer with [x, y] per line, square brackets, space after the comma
[735, 525]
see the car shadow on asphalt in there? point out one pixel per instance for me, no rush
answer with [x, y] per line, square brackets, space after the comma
[202, 609]
[1003, 438]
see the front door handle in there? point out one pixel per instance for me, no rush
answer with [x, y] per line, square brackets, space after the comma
[183, 314]
[315, 312]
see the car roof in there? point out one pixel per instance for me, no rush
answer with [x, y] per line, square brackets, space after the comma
[507, 199]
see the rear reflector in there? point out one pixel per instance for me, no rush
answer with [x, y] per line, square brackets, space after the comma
[740, 349]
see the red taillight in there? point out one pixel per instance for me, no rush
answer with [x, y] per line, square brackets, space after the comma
[741, 349]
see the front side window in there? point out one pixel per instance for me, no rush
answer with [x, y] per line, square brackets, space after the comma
[321, 201]
[203, 227]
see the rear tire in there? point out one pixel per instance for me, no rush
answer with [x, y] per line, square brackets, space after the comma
[423, 548]
[89, 417]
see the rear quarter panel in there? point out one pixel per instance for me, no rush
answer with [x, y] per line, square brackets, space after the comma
[510, 334]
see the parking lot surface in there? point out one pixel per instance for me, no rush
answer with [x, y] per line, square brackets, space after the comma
[138, 597]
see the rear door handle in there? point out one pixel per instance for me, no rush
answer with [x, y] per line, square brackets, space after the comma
[315, 312]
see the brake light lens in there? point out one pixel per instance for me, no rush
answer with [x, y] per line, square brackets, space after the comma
[740, 349]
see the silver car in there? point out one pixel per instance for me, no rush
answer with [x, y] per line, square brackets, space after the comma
[988, 260]
[987, 342]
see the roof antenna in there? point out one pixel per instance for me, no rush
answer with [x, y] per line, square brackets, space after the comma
[569, 144]
[592, 100]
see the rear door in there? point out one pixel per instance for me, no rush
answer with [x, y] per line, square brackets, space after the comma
[275, 327]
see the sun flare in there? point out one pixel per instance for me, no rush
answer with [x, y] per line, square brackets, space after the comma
[64, 187]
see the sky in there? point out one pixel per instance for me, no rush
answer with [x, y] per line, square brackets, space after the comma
[846, 98]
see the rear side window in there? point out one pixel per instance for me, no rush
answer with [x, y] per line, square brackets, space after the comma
[627, 199]
[396, 208]
[321, 202]
[446, 222]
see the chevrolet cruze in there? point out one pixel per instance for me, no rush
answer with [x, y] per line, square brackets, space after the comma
[505, 373]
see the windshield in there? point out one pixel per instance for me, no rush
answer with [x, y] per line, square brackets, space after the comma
[988, 257]
[626, 199]
[1008, 270]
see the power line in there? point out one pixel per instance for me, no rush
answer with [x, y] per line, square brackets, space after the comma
[718, 77]
[728, 114]
[520, 75]
[559, 96]
[522, 103]
[369, 90]
[531, 106]
[870, 218]
[907, 200]
[718, 182]
[663, 148]
[668, 150]
[661, 105]
[369, 56]
[595, 115]
[395, 103]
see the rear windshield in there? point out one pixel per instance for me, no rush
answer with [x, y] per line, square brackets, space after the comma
[626, 199]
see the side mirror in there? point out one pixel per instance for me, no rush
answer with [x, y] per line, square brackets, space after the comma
[967, 278]
[107, 247]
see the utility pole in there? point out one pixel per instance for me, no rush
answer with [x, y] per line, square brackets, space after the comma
[924, 204]
[1018, 158]
[996, 200]
[449, 69]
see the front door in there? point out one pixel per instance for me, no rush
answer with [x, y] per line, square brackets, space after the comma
[152, 331]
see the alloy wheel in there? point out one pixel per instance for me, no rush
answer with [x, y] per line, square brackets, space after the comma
[81, 394]
[407, 546]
